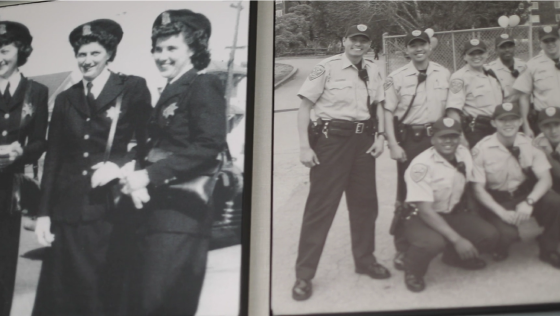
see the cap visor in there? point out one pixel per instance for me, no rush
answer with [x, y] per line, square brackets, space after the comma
[548, 120]
[416, 38]
[506, 41]
[506, 115]
[551, 35]
[474, 49]
[354, 34]
[447, 132]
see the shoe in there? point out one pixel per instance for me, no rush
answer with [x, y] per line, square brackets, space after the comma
[414, 283]
[552, 257]
[469, 264]
[302, 290]
[398, 261]
[375, 271]
[500, 255]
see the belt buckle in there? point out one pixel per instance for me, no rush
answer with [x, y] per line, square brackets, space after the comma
[360, 128]
[429, 130]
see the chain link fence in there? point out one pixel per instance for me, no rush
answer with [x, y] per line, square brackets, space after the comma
[449, 51]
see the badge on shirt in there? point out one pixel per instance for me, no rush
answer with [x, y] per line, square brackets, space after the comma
[317, 72]
[418, 172]
[26, 110]
[456, 85]
[388, 83]
[113, 113]
[170, 110]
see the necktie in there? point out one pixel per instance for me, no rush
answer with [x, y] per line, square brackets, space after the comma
[90, 98]
[461, 168]
[422, 77]
[490, 73]
[7, 95]
[514, 150]
[555, 155]
[514, 72]
[556, 63]
[362, 73]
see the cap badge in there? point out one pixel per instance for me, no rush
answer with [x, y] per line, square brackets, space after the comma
[165, 18]
[507, 106]
[475, 42]
[362, 27]
[416, 33]
[550, 111]
[547, 29]
[2, 29]
[86, 30]
[504, 36]
[448, 122]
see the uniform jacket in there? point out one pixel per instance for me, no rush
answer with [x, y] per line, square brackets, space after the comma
[31, 135]
[77, 141]
[189, 122]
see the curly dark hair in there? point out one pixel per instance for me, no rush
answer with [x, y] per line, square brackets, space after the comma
[196, 40]
[108, 41]
[24, 50]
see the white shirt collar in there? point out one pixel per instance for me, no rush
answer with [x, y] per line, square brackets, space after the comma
[14, 80]
[98, 83]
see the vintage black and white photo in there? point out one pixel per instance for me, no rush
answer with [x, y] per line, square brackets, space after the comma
[122, 157]
[416, 156]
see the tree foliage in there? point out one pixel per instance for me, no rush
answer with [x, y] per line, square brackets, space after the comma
[293, 29]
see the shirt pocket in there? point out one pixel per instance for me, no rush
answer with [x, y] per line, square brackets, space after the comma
[442, 193]
[441, 89]
[340, 91]
[482, 94]
[544, 81]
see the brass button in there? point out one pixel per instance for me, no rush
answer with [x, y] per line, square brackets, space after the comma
[86, 136]
[86, 155]
[84, 173]
[7, 115]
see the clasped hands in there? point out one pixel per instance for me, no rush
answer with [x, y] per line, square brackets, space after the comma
[9, 153]
[521, 213]
[133, 183]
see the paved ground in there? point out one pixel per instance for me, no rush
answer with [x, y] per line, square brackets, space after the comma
[520, 279]
[220, 293]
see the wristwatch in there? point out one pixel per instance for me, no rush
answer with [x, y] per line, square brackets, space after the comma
[530, 201]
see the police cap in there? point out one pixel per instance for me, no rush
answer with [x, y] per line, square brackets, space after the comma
[550, 114]
[446, 126]
[195, 21]
[474, 44]
[548, 31]
[506, 109]
[360, 29]
[14, 31]
[504, 38]
[417, 34]
[103, 28]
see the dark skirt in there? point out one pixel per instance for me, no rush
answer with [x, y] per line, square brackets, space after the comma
[9, 247]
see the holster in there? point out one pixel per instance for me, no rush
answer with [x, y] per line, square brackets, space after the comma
[403, 211]
[400, 130]
[313, 132]
[480, 123]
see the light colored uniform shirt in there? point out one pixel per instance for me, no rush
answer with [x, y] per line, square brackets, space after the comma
[542, 79]
[338, 92]
[473, 92]
[504, 74]
[431, 178]
[542, 142]
[431, 96]
[98, 83]
[497, 169]
[14, 80]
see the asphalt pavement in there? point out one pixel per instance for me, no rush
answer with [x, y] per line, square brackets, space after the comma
[220, 293]
[521, 279]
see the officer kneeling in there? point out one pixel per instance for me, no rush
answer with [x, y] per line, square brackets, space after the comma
[436, 183]
[549, 141]
[512, 181]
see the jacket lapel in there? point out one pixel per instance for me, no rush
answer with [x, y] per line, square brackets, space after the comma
[176, 88]
[77, 97]
[17, 98]
[113, 87]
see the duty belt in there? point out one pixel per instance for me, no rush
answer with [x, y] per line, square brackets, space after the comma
[420, 130]
[502, 196]
[343, 127]
[480, 122]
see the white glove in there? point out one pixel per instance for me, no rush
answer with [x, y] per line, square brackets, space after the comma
[43, 231]
[105, 172]
[140, 197]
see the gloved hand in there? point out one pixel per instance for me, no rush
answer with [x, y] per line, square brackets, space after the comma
[105, 172]
[135, 181]
[140, 197]
[9, 153]
[43, 231]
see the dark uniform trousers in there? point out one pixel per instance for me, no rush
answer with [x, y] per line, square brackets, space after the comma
[412, 146]
[547, 213]
[9, 243]
[426, 243]
[344, 168]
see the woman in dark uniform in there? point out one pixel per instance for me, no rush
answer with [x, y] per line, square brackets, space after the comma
[187, 131]
[77, 208]
[23, 125]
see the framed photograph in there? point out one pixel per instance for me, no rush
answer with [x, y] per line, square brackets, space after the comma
[388, 197]
[126, 157]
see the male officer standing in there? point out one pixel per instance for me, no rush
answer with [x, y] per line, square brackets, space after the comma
[341, 89]
[506, 67]
[512, 181]
[541, 79]
[415, 97]
[436, 182]
[549, 142]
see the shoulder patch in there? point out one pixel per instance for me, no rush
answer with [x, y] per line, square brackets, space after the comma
[418, 172]
[456, 85]
[317, 72]
[388, 83]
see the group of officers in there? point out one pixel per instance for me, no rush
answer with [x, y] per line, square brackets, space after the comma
[477, 154]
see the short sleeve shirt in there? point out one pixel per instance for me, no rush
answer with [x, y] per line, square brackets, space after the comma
[431, 95]
[473, 92]
[504, 75]
[337, 91]
[497, 169]
[543, 143]
[431, 178]
[542, 79]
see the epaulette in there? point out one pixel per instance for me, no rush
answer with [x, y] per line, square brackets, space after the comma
[396, 71]
[484, 140]
[329, 59]
[436, 64]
